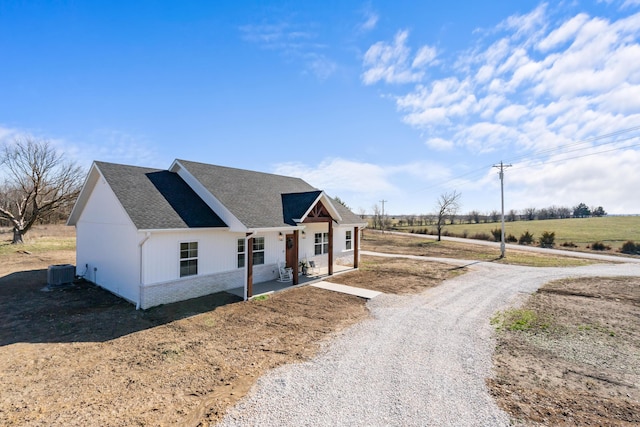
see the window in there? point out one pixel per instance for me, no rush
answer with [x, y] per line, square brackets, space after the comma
[240, 253]
[347, 241]
[321, 243]
[258, 250]
[188, 259]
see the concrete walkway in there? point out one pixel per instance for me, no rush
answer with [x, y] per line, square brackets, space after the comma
[351, 290]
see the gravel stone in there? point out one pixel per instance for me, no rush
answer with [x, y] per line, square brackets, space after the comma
[420, 360]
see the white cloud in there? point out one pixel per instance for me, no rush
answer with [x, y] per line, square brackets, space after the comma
[586, 82]
[392, 63]
[8, 134]
[511, 113]
[585, 180]
[440, 144]
[528, 26]
[370, 20]
[321, 66]
[295, 42]
[361, 184]
[425, 56]
[564, 33]
[340, 175]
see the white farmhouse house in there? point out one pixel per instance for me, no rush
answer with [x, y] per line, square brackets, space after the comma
[159, 236]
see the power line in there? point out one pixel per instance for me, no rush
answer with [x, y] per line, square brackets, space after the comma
[502, 167]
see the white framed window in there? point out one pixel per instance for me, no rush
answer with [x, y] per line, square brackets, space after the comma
[348, 240]
[188, 259]
[321, 243]
[258, 250]
[241, 253]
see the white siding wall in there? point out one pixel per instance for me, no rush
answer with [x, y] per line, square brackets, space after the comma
[217, 264]
[161, 253]
[340, 254]
[107, 244]
[217, 253]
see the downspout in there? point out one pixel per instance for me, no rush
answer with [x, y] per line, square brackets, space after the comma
[246, 262]
[140, 245]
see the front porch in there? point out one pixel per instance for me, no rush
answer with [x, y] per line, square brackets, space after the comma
[272, 286]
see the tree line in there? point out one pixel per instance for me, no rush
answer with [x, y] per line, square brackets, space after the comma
[446, 215]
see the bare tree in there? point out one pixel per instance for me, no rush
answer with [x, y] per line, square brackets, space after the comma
[377, 216]
[474, 217]
[362, 213]
[529, 213]
[446, 206]
[39, 181]
[342, 202]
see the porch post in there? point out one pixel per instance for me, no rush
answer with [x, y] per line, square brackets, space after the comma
[356, 247]
[330, 247]
[249, 263]
[296, 257]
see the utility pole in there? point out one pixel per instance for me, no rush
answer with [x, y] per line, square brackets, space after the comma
[502, 167]
[383, 202]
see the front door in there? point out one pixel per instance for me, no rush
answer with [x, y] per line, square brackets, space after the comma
[291, 251]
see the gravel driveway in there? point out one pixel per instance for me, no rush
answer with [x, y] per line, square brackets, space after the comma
[421, 360]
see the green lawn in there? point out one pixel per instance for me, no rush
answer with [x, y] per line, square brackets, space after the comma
[613, 231]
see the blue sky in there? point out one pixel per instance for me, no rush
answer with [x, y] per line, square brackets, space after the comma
[399, 101]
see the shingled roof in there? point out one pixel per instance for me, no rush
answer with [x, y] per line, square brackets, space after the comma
[255, 198]
[157, 199]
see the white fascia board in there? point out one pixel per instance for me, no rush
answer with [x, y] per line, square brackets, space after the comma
[94, 176]
[327, 203]
[182, 230]
[331, 207]
[274, 229]
[89, 183]
[221, 210]
[357, 224]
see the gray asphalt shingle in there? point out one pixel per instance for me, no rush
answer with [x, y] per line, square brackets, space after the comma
[161, 199]
[255, 198]
[157, 199]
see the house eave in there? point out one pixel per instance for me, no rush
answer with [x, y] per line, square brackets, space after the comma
[187, 229]
[274, 229]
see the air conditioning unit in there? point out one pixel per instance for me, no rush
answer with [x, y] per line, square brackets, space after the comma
[60, 274]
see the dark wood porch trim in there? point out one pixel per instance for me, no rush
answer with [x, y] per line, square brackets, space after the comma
[249, 261]
[356, 247]
[330, 247]
[319, 213]
[295, 265]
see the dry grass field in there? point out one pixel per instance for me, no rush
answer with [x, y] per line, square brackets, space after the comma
[613, 231]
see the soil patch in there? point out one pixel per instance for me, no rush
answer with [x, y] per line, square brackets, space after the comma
[78, 355]
[397, 275]
[571, 355]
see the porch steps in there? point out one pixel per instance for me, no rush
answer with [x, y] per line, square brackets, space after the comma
[351, 290]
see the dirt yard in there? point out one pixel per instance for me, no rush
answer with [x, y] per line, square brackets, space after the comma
[80, 356]
[571, 355]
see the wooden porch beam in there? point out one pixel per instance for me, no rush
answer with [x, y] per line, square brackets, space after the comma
[249, 262]
[330, 247]
[296, 257]
[356, 247]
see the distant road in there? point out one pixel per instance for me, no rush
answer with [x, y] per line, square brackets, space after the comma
[559, 252]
